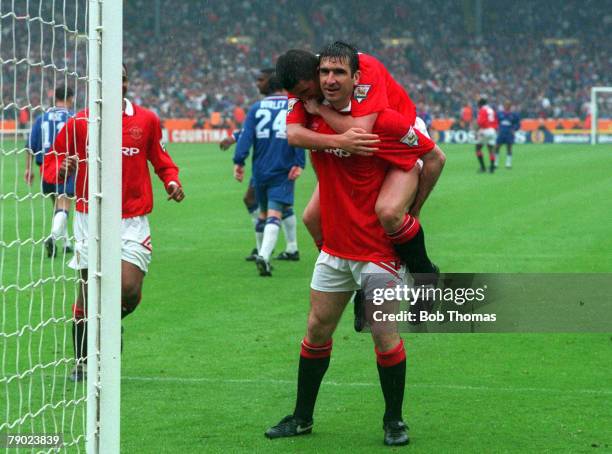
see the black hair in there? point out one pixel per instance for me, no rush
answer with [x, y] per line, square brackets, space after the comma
[341, 51]
[274, 84]
[62, 93]
[267, 71]
[482, 101]
[296, 65]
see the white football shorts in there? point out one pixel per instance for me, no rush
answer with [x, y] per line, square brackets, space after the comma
[486, 136]
[136, 245]
[335, 274]
[420, 126]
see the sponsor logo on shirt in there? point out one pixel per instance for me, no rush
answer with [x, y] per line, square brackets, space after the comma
[339, 152]
[130, 151]
[411, 139]
[361, 92]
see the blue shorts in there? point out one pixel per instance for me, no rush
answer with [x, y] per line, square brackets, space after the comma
[66, 188]
[275, 195]
[505, 138]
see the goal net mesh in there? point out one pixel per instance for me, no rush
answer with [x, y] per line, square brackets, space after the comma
[43, 46]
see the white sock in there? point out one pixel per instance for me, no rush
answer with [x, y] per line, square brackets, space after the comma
[258, 240]
[259, 235]
[290, 229]
[508, 160]
[269, 238]
[59, 227]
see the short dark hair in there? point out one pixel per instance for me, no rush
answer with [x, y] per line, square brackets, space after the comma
[273, 82]
[482, 101]
[341, 51]
[62, 93]
[296, 65]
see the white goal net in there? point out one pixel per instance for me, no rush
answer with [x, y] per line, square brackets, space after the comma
[47, 62]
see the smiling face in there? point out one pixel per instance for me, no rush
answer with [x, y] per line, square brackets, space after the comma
[337, 82]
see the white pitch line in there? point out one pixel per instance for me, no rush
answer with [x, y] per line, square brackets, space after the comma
[602, 392]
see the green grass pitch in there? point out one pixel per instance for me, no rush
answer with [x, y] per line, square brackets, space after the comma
[210, 358]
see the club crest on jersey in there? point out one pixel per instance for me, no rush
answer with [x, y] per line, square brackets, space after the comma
[411, 138]
[290, 103]
[135, 132]
[361, 92]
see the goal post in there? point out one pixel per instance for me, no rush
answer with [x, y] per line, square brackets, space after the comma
[595, 111]
[104, 274]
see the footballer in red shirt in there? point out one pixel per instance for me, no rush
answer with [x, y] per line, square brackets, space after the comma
[141, 144]
[486, 134]
[375, 91]
[356, 250]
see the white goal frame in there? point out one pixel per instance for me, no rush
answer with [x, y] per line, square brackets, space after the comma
[104, 273]
[594, 110]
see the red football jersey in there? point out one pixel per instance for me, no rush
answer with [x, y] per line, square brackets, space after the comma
[141, 143]
[349, 186]
[487, 118]
[376, 91]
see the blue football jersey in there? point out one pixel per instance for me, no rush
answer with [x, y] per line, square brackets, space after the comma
[45, 130]
[265, 129]
[509, 122]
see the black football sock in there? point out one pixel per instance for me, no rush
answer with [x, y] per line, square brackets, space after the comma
[392, 373]
[480, 159]
[79, 339]
[409, 243]
[314, 361]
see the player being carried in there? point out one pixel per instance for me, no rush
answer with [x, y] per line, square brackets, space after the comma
[356, 250]
[376, 91]
[141, 144]
[44, 130]
[276, 166]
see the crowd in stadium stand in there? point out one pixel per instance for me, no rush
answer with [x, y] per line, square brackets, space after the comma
[203, 56]
[194, 70]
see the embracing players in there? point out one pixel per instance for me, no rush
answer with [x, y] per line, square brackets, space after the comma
[276, 166]
[141, 144]
[376, 91]
[44, 130]
[356, 250]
